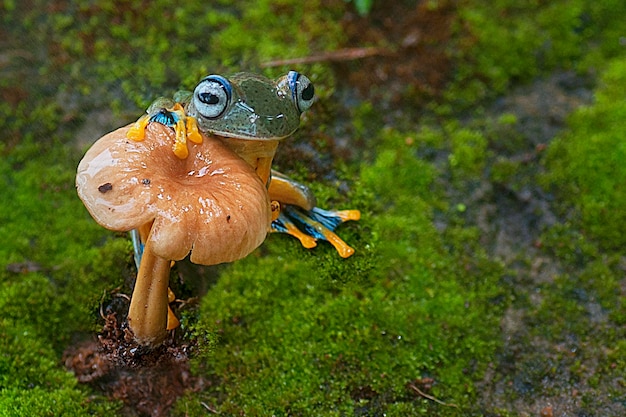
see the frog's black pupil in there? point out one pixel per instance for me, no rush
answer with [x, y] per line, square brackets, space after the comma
[308, 92]
[209, 98]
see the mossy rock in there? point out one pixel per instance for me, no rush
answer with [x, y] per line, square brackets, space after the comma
[586, 164]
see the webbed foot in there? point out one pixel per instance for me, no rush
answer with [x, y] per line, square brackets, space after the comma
[315, 224]
[174, 117]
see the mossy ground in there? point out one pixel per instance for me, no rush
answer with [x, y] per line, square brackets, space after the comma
[488, 277]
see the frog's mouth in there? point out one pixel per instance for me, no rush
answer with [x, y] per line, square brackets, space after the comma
[249, 135]
[247, 123]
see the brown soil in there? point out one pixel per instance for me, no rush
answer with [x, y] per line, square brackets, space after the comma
[414, 62]
[148, 382]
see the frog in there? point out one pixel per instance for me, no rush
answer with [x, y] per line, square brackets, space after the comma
[251, 114]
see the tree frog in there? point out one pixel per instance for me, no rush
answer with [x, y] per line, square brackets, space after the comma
[250, 114]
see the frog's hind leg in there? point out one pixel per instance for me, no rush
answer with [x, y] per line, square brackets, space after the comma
[315, 224]
[300, 217]
[290, 192]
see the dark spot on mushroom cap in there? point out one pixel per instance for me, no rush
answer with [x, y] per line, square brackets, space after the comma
[228, 218]
[145, 181]
[105, 187]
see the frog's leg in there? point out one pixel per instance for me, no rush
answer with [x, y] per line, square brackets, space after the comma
[193, 134]
[284, 225]
[138, 246]
[300, 218]
[180, 146]
[288, 191]
[137, 130]
[315, 224]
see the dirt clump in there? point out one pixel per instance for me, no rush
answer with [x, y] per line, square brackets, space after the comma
[148, 382]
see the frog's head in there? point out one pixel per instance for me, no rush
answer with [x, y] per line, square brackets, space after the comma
[250, 106]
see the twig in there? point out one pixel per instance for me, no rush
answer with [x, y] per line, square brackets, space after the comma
[347, 54]
[430, 397]
[211, 410]
[104, 293]
[116, 294]
[120, 295]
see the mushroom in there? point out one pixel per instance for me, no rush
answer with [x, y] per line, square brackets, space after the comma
[210, 205]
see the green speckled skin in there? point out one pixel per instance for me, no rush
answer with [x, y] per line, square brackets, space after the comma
[260, 109]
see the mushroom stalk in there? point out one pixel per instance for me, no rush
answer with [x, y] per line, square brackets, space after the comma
[147, 316]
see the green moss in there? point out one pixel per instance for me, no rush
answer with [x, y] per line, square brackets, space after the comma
[31, 381]
[468, 155]
[54, 266]
[578, 313]
[586, 167]
[591, 276]
[504, 170]
[56, 402]
[35, 320]
[303, 334]
[55, 262]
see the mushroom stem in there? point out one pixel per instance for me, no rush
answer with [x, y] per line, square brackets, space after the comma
[147, 316]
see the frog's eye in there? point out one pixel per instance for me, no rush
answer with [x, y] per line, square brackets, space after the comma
[302, 90]
[212, 95]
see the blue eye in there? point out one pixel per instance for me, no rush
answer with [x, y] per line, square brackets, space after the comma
[212, 96]
[302, 90]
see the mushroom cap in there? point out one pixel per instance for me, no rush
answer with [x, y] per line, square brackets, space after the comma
[211, 204]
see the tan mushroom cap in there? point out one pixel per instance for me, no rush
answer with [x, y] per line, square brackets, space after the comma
[211, 204]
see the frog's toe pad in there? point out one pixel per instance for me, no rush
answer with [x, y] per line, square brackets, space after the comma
[137, 130]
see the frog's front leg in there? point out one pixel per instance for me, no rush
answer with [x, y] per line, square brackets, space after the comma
[172, 114]
[300, 217]
[137, 132]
